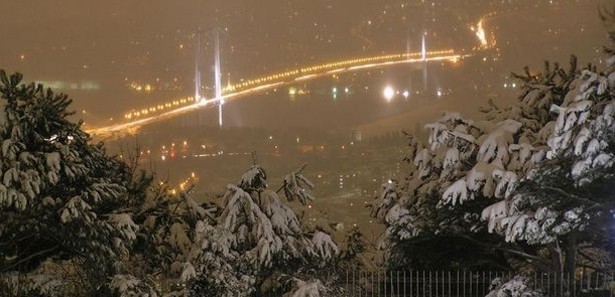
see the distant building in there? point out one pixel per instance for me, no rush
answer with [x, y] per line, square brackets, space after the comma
[356, 135]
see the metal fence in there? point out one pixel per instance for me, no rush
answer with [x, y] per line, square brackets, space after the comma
[461, 283]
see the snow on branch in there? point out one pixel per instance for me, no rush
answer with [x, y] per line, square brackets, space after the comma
[296, 186]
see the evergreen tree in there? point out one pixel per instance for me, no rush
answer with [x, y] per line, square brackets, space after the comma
[60, 197]
[545, 161]
[466, 164]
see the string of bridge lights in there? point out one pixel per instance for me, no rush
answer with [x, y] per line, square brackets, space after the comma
[297, 74]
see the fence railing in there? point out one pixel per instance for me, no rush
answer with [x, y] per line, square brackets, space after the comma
[413, 283]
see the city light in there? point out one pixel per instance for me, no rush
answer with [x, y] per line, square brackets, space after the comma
[480, 33]
[388, 93]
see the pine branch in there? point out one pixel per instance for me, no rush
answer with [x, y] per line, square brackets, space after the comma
[506, 250]
[296, 172]
[31, 256]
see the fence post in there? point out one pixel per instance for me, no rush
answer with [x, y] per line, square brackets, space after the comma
[485, 287]
[353, 281]
[398, 290]
[384, 283]
[404, 282]
[359, 282]
[435, 283]
[378, 282]
[391, 281]
[471, 282]
[424, 283]
[443, 282]
[392, 285]
[458, 283]
[430, 285]
[549, 278]
[411, 281]
[569, 282]
[450, 284]
[574, 285]
[490, 280]
[561, 284]
[373, 285]
[464, 283]
[347, 285]
[581, 280]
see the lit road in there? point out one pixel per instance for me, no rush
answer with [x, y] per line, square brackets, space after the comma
[136, 120]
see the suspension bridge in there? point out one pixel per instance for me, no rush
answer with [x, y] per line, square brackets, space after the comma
[136, 119]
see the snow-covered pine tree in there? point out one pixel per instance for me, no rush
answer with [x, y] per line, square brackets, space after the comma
[387, 198]
[60, 197]
[466, 164]
[254, 236]
[568, 199]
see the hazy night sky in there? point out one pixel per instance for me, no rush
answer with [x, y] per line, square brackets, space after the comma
[112, 43]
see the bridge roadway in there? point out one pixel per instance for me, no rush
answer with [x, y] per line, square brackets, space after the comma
[137, 119]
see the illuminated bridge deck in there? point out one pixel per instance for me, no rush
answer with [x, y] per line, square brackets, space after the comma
[135, 119]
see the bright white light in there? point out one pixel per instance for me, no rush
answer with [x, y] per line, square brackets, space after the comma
[439, 93]
[406, 94]
[388, 93]
[480, 33]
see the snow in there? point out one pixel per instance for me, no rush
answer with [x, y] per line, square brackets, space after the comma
[9, 176]
[195, 209]
[53, 161]
[324, 246]
[494, 145]
[7, 151]
[74, 208]
[124, 224]
[519, 286]
[494, 214]
[481, 176]
[580, 141]
[312, 288]
[188, 272]
[254, 178]
[516, 227]
[457, 193]
[451, 160]
[123, 283]
[506, 183]
[179, 237]
[400, 222]
[295, 185]
[388, 197]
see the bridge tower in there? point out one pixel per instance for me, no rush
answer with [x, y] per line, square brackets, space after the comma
[197, 68]
[424, 58]
[423, 48]
[218, 76]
